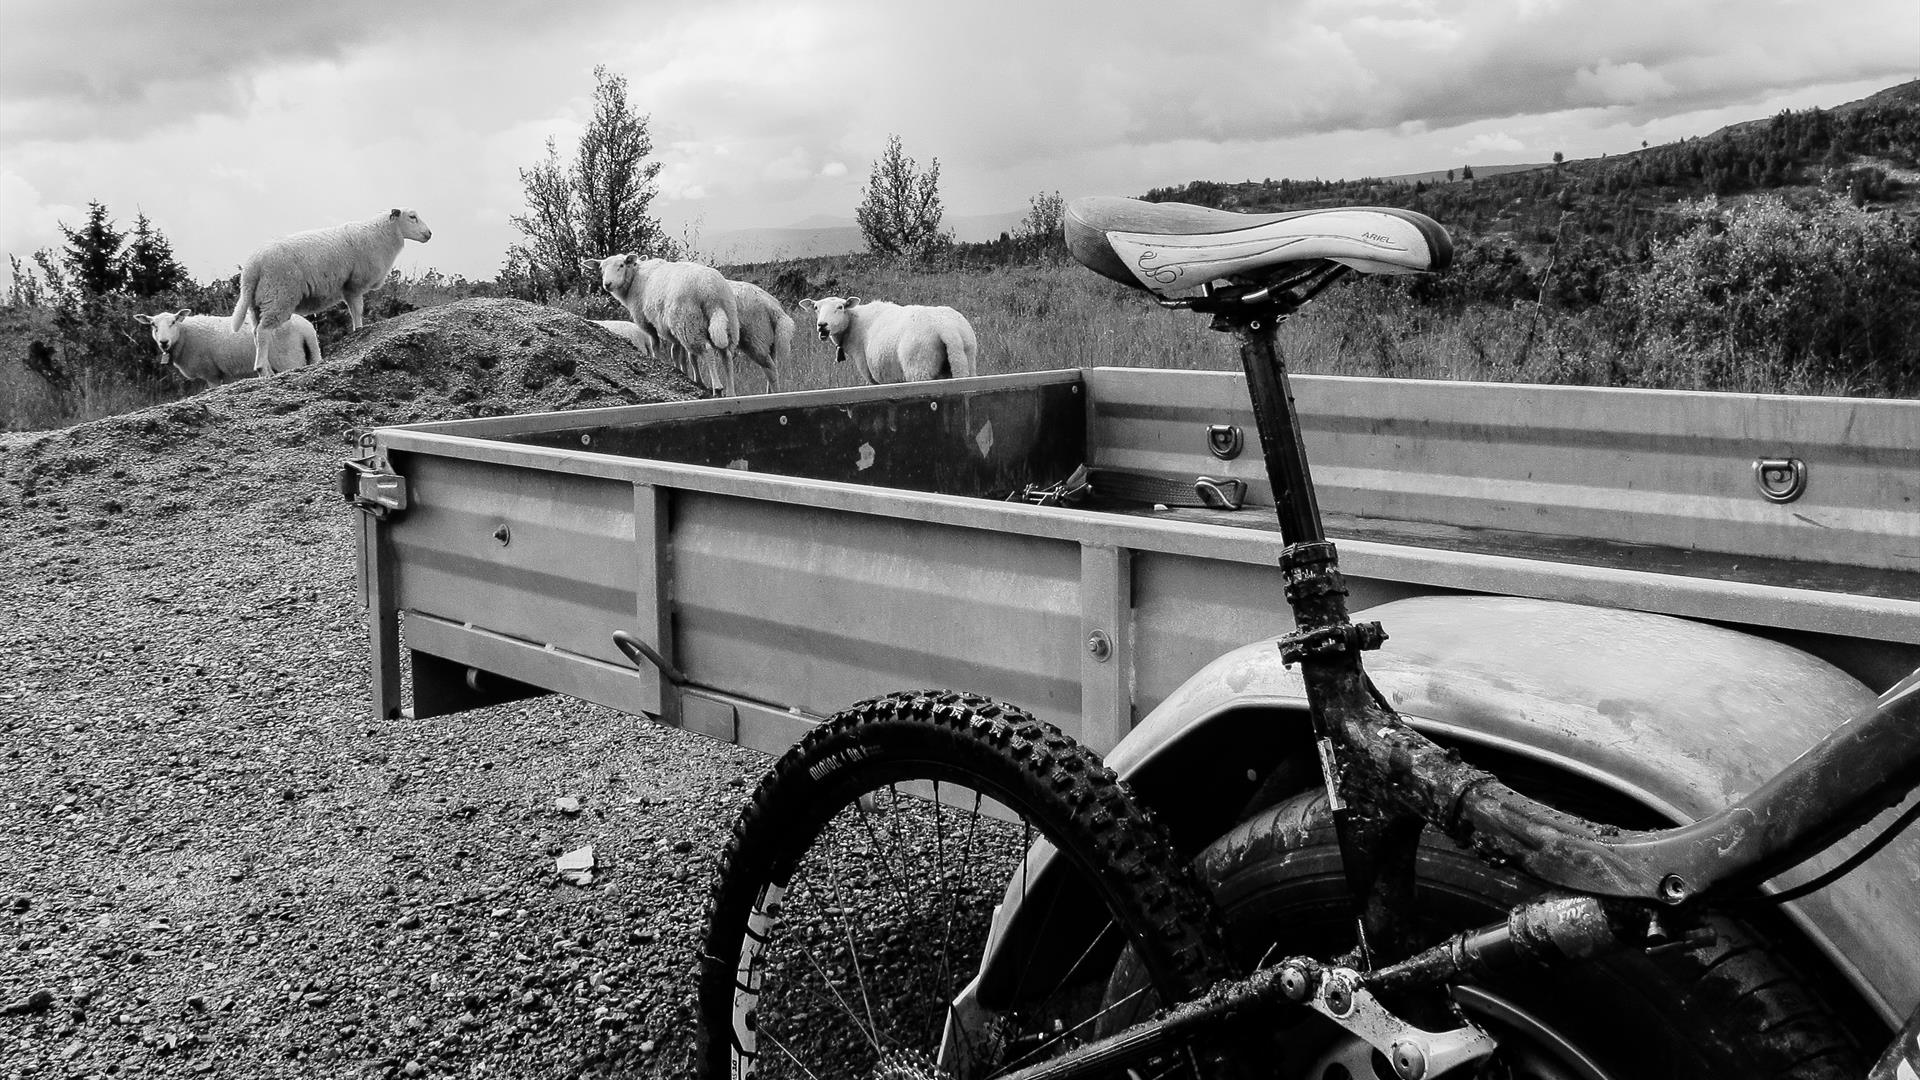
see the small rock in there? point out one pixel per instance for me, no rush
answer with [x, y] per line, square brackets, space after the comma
[682, 846]
[409, 921]
[576, 866]
[37, 1002]
[317, 1001]
[567, 804]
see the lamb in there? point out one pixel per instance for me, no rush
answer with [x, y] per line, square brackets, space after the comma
[314, 270]
[627, 332]
[766, 330]
[686, 306]
[896, 343]
[205, 347]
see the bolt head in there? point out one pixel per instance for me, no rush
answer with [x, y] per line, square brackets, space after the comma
[1295, 983]
[1409, 1061]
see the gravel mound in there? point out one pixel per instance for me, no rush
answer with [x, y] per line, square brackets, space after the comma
[215, 862]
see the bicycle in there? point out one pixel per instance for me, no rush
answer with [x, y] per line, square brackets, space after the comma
[817, 959]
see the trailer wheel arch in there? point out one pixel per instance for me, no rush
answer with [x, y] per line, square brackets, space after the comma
[1593, 732]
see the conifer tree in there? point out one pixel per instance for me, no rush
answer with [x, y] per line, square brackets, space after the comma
[93, 253]
[150, 266]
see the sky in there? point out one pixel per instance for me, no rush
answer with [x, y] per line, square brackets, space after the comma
[229, 123]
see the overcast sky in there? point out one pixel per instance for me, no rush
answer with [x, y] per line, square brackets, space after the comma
[230, 122]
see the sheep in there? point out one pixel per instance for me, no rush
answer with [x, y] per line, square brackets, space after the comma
[766, 330]
[627, 332]
[205, 347]
[312, 271]
[685, 305]
[892, 343]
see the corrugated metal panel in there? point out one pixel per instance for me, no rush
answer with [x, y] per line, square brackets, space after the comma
[815, 609]
[564, 575]
[1666, 468]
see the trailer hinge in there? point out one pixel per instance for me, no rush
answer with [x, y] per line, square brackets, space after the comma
[374, 490]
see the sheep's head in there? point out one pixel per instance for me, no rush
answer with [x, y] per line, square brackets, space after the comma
[831, 315]
[615, 273]
[410, 225]
[166, 329]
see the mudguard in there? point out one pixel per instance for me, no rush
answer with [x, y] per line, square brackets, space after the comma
[1676, 718]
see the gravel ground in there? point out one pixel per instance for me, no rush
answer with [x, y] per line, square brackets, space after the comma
[214, 862]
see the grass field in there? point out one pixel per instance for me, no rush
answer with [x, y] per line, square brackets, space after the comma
[1055, 315]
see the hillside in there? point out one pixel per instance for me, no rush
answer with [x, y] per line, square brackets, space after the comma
[1616, 205]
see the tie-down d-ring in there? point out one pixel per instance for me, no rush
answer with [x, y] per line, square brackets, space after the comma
[1780, 480]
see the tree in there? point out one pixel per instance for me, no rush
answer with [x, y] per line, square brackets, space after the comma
[900, 210]
[93, 253]
[149, 266]
[1466, 172]
[612, 176]
[1045, 220]
[599, 205]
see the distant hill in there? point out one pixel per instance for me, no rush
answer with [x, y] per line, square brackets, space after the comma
[1606, 210]
[825, 235]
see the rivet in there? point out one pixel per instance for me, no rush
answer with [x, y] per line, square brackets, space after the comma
[504, 535]
[1099, 646]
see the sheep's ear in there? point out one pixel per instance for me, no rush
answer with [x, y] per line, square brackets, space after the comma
[589, 264]
[632, 258]
[143, 320]
[183, 313]
[807, 304]
[395, 212]
[852, 300]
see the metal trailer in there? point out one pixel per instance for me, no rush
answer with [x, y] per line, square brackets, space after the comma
[1660, 597]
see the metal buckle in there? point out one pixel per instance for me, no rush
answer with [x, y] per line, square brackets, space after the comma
[1072, 491]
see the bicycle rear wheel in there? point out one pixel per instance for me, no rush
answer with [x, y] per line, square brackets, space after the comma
[849, 918]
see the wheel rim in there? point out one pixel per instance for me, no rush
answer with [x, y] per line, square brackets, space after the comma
[853, 965]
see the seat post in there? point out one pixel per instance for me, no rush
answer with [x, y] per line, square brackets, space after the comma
[1278, 421]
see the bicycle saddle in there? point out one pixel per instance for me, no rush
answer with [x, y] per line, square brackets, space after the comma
[1175, 248]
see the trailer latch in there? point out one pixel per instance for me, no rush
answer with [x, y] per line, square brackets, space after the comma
[376, 491]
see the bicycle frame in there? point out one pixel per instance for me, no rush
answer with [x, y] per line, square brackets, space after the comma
[1386, 782]
[1378, 764]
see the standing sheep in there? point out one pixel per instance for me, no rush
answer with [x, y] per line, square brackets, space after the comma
[685, 305]
[205, 347]
[896, 343]
[766, 330]
[314, 270]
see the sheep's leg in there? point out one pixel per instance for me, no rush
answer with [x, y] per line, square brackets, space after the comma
[264, 331]
[356, 310]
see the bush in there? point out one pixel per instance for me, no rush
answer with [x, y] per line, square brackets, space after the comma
[1823, 297]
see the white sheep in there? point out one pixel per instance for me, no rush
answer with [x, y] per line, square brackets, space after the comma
[314, 270]
[205, 347]
[627, 332]
[686, 306]
[894, 342]
[766, 330]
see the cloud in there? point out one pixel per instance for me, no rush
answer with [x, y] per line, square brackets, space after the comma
[26, 222]
[1608, 83]
[1490, 143]
[80, 69]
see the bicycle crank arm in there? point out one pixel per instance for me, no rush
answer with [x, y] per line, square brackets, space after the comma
[1335, 993]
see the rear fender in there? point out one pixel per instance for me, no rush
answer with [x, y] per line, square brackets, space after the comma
[1650, 718]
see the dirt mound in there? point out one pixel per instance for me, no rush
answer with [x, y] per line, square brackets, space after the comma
[478, 357]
